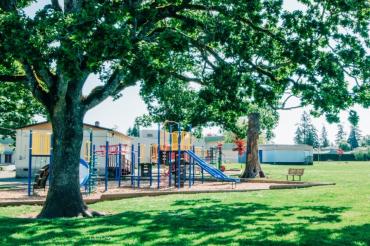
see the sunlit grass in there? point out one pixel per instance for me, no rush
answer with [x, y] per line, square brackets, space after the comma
[326, 215]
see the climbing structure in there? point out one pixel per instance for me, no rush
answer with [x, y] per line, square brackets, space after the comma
[176, 149]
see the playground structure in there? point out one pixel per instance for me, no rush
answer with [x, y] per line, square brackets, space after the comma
[172, 161]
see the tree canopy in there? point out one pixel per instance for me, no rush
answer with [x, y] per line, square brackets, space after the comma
[17, 108]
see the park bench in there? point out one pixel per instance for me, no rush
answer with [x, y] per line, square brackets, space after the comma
[295, 172]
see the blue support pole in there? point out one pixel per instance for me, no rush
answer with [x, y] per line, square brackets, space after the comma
[151, 173]
[190, 175]
[193, 164]
[138, 165]
[91, 154]
[92, 167]
[190, 159]
[119, 164]
[178, 155]
[159, 157]
[106, 164]
[30, 165]
[202, 176]
[133, 166]
[170, 159]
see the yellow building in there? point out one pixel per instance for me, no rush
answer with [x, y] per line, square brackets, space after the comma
[41, 145]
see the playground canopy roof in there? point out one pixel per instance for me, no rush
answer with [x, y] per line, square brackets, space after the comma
[47, 126]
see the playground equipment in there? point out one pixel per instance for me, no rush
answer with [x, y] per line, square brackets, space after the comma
[178, 146]
[40, 150]
[172, 161]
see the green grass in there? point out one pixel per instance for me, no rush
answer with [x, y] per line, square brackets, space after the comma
[326, 215]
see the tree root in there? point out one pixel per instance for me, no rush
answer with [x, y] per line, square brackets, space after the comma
[90, 214]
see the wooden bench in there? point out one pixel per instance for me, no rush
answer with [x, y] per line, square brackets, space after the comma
[295, 172]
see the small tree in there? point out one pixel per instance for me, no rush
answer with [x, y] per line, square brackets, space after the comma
[352, 138]
[341, 135]
[354, 134]
[324, 138]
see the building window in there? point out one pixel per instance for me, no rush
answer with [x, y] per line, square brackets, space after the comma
[149, 135]
[8, 158]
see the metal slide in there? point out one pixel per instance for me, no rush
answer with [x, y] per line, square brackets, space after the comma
[214, 172]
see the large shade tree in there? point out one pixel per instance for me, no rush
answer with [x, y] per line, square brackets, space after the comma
[305, 55]
[253, 49]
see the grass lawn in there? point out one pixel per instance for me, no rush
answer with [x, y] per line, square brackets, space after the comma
[327, 215]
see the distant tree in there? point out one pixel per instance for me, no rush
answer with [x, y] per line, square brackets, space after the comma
[354, 135]
[134, 131]
[306, 132]
[298, 136]
[324, 138]
[341, 135]
[353, 138]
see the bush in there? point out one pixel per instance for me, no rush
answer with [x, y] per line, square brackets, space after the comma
[362, 154]
[345, 146]
[333, 157]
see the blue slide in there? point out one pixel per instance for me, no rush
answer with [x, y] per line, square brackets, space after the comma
[214, 172]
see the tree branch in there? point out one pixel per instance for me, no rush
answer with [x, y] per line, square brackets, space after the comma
[13, 78]
[289, 108]
[114, 84]
[72, 5]
[186, 78]
[34, 85]
[56, 5]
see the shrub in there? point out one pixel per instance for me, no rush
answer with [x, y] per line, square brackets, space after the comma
[334, 157]
[362, 154]
[345, 146]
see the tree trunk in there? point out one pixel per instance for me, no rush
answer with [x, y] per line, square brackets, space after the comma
[253, 167]
[64, 197]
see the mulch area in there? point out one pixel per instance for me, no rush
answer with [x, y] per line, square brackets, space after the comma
[14, 192]
[19, 197]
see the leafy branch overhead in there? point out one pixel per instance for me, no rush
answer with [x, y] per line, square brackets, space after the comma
[255, 50]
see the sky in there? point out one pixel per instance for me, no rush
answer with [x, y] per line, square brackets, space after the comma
[120, 114]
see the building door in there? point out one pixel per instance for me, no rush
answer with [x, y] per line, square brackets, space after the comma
[260, 155]
[8, 158]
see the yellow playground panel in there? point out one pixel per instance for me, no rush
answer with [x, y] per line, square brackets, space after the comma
[186, 141]
[154, 153]
[41, 143]
[198, 151]
[87, 151]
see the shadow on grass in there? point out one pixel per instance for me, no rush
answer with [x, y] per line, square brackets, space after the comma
[193, 222]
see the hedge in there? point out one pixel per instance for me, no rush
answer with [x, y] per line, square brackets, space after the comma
[334, 157]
